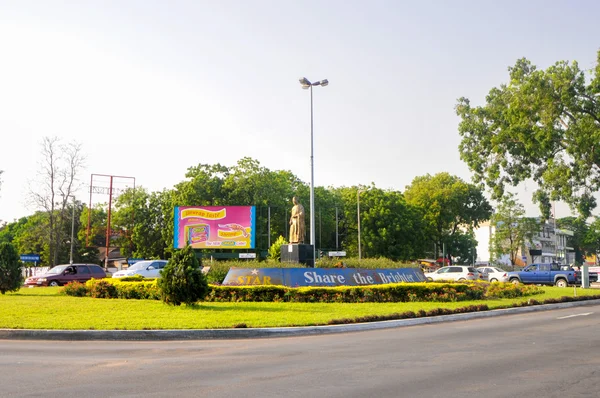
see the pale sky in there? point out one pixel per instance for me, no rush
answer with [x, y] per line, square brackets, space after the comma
[150, 88]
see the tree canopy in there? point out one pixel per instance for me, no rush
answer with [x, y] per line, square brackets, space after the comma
[450, 206]
[543, 125]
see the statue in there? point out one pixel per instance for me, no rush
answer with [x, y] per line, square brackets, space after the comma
[297, 227]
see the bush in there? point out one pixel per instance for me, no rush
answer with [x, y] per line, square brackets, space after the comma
[182, 279]
[103, 289]
[11, 278]
[76, 289]
[275, 249]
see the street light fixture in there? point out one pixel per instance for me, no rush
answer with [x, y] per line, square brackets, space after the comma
[306, 84]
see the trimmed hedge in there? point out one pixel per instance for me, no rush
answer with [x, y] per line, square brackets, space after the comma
[395, 292]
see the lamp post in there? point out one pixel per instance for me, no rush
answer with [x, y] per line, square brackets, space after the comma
[306, 84]
[72, 231]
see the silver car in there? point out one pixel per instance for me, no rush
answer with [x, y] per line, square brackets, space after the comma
[145, 268]
[494, 274]
[454, 273]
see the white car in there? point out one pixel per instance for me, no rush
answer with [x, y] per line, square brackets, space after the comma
[494, 274]
[145, 268]
[454, 273]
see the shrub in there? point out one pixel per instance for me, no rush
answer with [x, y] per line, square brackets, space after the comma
[182, 279]
[11, 277]
[103, 289]
[275, 249]
[76, 289]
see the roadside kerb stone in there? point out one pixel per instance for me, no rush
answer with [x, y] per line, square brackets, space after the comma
[251, 333]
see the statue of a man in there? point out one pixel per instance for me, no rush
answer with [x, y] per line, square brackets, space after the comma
[297, 227]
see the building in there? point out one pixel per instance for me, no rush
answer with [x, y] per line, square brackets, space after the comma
[549, 245]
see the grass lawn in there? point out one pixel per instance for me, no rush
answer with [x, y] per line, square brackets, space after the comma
[45, 308]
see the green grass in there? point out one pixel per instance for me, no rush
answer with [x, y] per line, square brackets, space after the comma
[45, 308]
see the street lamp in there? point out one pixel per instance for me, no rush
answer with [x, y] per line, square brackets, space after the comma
[306, 84]
[72, 231]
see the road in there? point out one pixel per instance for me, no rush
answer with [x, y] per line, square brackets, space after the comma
[541, 354]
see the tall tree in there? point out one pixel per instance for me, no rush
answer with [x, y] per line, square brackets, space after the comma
[580, 230]
[57, 181]
[542, 125]
[450, 206]
[389, 227]
[512, 230]
[143, 220]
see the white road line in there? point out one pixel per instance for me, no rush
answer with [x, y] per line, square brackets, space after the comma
[574, 315]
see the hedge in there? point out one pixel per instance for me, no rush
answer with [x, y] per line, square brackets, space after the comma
[394, 292]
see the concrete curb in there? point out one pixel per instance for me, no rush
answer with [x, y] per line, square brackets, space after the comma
[252, 333]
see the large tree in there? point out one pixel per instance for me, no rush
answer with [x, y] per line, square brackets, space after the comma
[450, 206]
[542, 125]
[512, 231]
[389, 226]
[57, 181]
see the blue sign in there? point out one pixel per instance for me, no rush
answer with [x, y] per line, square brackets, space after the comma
[131, 261]
[296, 277]
[30, 258]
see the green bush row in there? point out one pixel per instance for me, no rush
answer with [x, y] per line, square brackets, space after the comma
[114, 288]
[395, 292]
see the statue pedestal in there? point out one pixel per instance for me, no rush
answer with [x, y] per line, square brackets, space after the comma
[298, 253]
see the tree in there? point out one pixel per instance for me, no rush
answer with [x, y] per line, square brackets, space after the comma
[58, 181]
[11, 278]
[592, 237]
[389, 227]
[449, 205]
[512, 231]
[542, 125]
[182, 280]
[580, 230]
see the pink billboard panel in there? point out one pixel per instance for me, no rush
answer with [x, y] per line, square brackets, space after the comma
[215, 227]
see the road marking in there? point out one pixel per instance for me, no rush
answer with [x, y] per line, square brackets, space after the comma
[574, 315]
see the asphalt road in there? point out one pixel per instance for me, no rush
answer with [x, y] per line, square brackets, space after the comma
[540, 354]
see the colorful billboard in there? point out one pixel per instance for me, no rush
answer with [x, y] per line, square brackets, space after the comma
[215, 227]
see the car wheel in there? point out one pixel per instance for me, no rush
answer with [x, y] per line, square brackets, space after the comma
[515, 281]
[462, 279]
[53, 283]
[493, 280]
[561, 283]
[429, 279]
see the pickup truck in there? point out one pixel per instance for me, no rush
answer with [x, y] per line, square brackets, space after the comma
[548, 274]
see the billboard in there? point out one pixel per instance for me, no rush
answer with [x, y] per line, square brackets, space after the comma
[215, 227]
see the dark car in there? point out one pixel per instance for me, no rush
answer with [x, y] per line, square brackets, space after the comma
[63, 274]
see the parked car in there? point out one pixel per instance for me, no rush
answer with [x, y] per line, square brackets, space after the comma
[454, 273]
[63, 274]
[549, 274]
[145, 268]
[494, 274]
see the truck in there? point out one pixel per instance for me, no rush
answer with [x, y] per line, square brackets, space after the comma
[549, 274]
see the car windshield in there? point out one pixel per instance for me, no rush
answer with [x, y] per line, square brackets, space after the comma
[57, 270]
[139, 265]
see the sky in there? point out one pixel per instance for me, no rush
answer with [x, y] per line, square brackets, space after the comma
[151, 88]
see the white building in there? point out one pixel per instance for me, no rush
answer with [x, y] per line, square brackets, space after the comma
[549, 245]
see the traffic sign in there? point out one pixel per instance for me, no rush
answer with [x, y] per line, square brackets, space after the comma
[30, 258]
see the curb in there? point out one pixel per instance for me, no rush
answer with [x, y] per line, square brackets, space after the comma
[252, 333]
